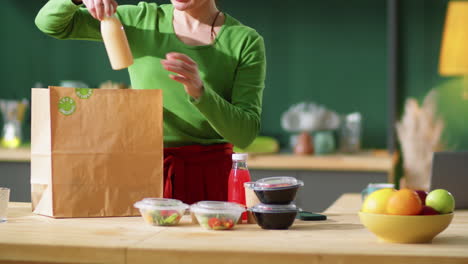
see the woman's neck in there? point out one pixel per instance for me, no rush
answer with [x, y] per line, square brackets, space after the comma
[194, 17]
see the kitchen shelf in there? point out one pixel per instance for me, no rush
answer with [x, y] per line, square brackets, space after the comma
[373, 161]
[22, 154]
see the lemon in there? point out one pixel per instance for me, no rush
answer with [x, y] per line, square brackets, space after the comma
[376, 202]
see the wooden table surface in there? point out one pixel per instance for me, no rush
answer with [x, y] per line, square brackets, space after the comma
[28, 238]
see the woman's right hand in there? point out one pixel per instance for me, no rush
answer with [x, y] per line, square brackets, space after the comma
[99, 8]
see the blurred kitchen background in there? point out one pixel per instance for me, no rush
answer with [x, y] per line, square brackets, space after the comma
[335, 53]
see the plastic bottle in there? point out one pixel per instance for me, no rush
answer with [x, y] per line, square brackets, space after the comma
[238, 176]
[116, 43]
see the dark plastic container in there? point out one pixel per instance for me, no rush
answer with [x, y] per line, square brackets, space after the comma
[277, 190]
[270, 216]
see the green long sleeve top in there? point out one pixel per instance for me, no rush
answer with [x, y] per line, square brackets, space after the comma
[232, 69]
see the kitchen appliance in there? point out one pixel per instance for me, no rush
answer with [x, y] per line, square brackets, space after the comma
[450, 172]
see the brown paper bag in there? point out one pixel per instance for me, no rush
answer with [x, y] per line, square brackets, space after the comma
[95, 152]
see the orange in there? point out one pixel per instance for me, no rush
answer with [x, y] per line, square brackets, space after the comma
[404, 202]
[376, 202]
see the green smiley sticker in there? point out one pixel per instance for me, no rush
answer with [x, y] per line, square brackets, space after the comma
[66, 105]
[83, 93]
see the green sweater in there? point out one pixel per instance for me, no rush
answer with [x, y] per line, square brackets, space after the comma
[232, 70]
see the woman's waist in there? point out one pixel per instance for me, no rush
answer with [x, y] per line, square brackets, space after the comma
[174, 138]
[168, 144]
[194, 148]
[198, 151]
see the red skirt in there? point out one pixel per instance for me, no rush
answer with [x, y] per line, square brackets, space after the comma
[195, 173]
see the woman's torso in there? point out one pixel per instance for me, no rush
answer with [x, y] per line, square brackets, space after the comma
[150, 40]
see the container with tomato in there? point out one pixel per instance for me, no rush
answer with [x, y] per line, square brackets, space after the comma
[213, 215]
[161, 211]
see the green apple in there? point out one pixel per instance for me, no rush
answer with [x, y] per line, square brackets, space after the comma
[441, 200]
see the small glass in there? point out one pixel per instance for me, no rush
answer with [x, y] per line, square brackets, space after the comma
[251, 199]
[324, 142]
[13, 113]
[372, 187]
[4, 199]
[350, 133]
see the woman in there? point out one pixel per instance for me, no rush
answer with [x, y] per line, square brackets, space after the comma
[210, 67]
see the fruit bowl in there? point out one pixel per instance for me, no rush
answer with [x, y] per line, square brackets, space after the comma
[405, 228]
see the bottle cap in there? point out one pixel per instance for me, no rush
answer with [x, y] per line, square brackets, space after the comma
[240, 156]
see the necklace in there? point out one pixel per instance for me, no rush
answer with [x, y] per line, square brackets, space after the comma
[213, 33]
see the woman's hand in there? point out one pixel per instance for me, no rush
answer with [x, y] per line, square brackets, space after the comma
[99, 8]
[186, 73]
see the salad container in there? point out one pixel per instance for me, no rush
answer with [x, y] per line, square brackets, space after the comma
[214, 215]
[161, 211]
[274, 216]
[277, 190]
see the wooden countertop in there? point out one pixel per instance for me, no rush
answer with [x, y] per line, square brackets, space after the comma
[340, 239]
[377, 160]
[348, 203]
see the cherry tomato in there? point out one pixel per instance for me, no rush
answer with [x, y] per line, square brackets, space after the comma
[228, 223]
[167, 212]
[214, 222]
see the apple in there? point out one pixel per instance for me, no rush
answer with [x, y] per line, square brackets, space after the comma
[427, 210]
[422, 195]
[441, 200]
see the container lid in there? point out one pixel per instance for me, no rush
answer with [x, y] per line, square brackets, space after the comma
[240, 156]
[275, 183]
[274, 208]
[161, 204]
[381, 185]
[249, 185]
[216, 207]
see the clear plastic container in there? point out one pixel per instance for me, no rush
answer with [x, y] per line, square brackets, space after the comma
[277, 190]
[251, 200]
[4, 199]
[213, 215]
[161, 211]
[274, 216]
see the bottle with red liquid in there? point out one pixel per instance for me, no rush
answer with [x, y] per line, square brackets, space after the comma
[239, 174]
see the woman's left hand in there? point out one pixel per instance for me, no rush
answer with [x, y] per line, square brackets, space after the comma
[186, 72]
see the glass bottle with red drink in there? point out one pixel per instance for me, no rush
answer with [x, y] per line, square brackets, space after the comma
[238, 176]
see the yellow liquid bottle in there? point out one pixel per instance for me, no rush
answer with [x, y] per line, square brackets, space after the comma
[116, 43]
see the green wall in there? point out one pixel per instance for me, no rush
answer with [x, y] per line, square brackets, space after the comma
[421, 31]
[329, 52]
